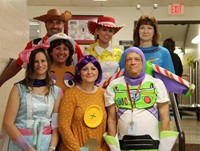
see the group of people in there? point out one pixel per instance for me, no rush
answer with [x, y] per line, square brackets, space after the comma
[59, 104]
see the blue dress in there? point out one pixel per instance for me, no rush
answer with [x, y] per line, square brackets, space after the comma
[33, 107]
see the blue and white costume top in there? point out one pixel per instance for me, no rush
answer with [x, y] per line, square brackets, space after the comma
[33, 107]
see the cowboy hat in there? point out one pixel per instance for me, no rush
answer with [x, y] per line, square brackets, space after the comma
[54, 14]
[61, 36]
[103, 21]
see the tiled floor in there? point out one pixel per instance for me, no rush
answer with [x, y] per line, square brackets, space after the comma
[191, 128]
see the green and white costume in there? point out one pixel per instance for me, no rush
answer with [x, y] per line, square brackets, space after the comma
[145, 112]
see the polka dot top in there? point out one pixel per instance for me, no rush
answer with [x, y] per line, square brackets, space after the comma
[73, 130]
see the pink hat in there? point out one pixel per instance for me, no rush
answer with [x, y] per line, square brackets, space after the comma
[103, 21]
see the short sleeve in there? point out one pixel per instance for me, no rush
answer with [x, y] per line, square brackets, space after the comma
[109, 96]
[163, 95]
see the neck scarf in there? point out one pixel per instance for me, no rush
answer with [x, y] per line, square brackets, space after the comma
[39, 83]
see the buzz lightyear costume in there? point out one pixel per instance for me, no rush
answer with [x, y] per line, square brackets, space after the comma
[138, 128]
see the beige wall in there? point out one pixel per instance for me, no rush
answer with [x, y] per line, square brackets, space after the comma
[14, 32]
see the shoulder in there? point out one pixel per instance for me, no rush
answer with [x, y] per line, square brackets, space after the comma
[29, 45]
[117, 49]
[119, 80]
[163, 49]
[90, 49]
[101, 90]
[71, 91]
[91, 46]
[176, 55]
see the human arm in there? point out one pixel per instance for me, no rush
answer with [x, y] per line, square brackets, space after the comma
[111, 110]
[163, 104]
[78, 52]
[55, 133]
[112, 120]
[164, 116]
[13, 67]
[9, 119]
[66, 113]
[10, 71]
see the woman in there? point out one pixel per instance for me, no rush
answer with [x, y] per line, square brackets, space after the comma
[109, 57]
[77, 125]
[33, 106]
[61, 51]
[133, 102]
[146, 37]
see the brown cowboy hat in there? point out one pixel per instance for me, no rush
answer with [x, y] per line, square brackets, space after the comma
[103, 21]
[54, 14]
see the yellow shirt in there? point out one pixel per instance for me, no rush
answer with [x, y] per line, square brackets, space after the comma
[108, 58]
[108, 54]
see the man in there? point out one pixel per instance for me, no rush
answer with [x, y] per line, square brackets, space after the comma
[169, 43]
[54, 22]
[133, 102]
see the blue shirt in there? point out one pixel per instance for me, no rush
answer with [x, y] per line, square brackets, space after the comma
[157, 55]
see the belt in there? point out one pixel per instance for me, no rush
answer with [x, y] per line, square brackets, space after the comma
[130, 142]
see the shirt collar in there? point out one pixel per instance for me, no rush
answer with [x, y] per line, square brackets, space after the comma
[99, 49]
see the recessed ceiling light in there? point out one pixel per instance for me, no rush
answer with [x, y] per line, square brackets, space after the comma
[196, 39]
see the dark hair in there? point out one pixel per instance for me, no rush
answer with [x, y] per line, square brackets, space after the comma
[68, 44]
[169, 43]
[84, 61]
[146, 20]
[30, 70]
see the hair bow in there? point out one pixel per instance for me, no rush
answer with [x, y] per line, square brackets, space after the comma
[25, 54]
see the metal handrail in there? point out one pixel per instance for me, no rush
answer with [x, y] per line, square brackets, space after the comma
[178, 122]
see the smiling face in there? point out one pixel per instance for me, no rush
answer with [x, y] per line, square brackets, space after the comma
[54, 27]
[89, 73]
[133, 64]
[60, 54]
[105, 35]
[146, 33]
[40, 66]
